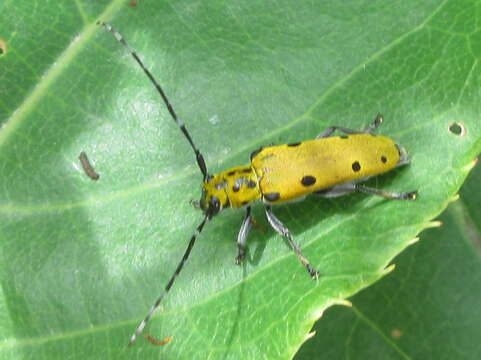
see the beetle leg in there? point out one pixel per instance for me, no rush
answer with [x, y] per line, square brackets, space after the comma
[337, 190]
[374, 125]
[330, 130]
[242, 237]
[368, 130]
[386, 194]
[278, 226]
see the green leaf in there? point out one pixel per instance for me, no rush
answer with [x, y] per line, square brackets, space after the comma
[82, 261]
[428, 309]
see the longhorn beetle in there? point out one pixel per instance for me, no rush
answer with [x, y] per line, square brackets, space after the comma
[328, 166]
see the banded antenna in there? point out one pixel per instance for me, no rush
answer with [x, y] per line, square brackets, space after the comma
[180, 124]
[177, 271]
[202, 167]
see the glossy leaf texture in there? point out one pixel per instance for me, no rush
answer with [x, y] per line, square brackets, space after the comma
[83, 260]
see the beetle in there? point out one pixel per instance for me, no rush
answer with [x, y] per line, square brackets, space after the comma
[328, 166]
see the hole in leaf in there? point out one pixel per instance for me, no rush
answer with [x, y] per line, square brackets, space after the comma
[457, 129]
[3, 47]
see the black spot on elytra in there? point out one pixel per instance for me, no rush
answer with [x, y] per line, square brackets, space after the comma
[247, 171]
[273, 196]
[251, 184]
[383, 159]
[308, 180]
[344, 137]
[356, 166]
[230, 173]
[294, 144]
[236, 188]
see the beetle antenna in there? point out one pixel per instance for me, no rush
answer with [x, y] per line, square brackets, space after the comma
[198, 155]
[177, 271]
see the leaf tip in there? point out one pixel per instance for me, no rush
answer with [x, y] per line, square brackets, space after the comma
[433, 224]
[413, 241]
[343, 302]
[470, 165]
[453, 198]
[388, 269]
[317, 313]
[310, 335]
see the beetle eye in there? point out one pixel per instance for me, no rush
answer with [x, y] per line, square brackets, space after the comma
[214, 206]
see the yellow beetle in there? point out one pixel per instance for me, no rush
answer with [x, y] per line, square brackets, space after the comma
[328, 166]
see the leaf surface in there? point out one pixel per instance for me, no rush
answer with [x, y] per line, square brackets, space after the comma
[82, 261]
